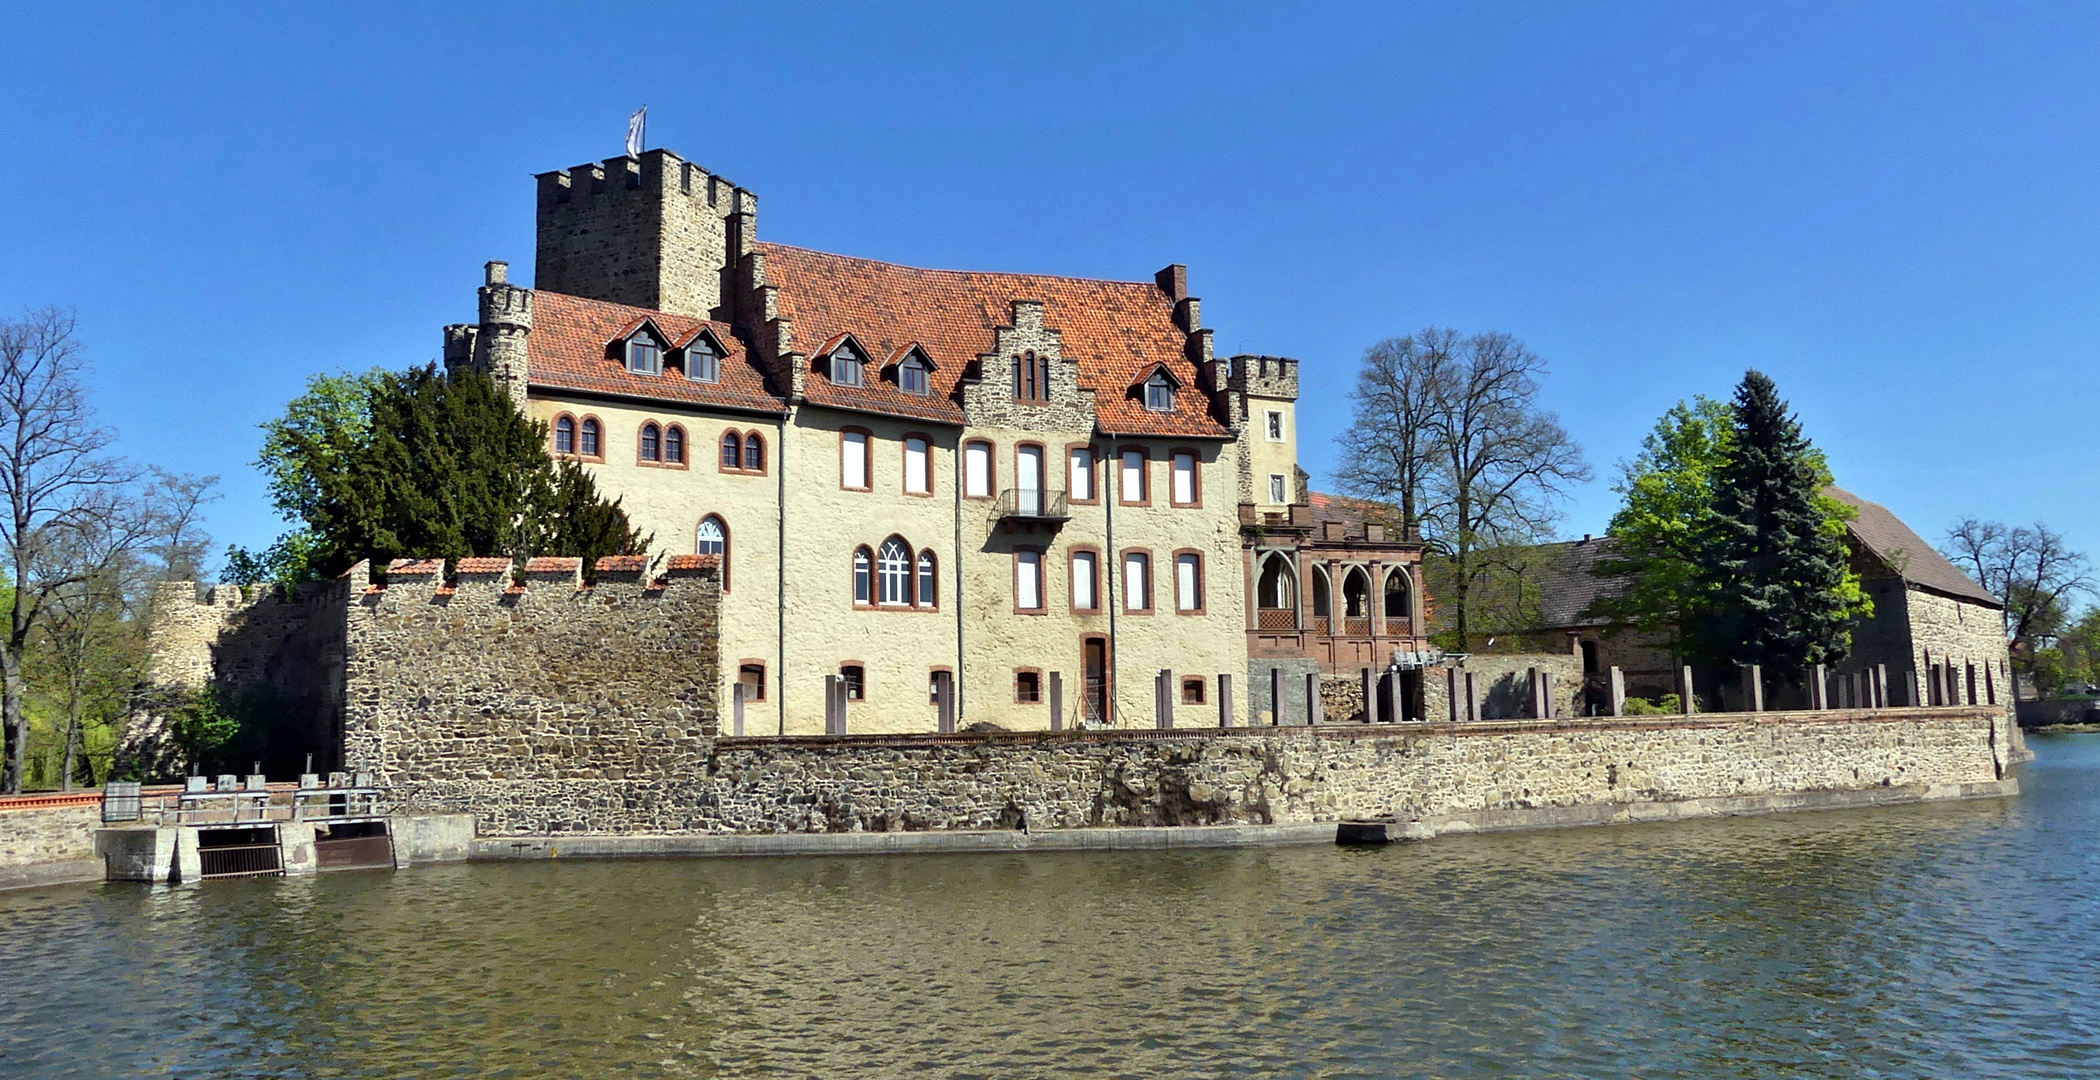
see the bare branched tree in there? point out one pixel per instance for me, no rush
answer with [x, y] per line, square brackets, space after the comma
[1453, 425]
[2031, 569]
[61, 492]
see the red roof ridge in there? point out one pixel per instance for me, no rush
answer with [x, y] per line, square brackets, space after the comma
[940, 270]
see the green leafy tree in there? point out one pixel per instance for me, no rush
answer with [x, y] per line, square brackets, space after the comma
[1668, 493]
[1771, 580]
[387, 465]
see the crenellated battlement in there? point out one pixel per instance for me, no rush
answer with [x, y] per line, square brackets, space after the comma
[1265, 376]
[655, 232]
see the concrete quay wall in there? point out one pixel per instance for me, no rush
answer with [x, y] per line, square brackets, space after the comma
[1042, 782]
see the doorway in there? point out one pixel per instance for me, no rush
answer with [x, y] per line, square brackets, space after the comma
[1093, 667]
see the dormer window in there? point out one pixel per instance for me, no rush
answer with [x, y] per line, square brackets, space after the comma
[1159, 393]
[912, 376]
[703, 361]
[848, 366]
[644, 357]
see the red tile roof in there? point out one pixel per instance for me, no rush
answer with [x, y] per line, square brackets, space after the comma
[567, 351]
[1114, 330]
[482, 566]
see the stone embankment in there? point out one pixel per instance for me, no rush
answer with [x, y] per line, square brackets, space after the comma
[49, 839]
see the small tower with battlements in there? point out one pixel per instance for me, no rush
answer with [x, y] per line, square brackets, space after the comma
[655, 232]
[496, 345]
[1264, 395]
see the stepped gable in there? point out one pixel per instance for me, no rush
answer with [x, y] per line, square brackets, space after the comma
[568, 350]
[1115, 331]
[1906, 553]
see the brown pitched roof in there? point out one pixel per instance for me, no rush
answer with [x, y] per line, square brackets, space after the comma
[1114, 330]
[567, 351]
[1352, 513]
[1907, 553]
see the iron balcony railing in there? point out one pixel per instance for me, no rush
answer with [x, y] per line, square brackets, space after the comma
[1033, 504]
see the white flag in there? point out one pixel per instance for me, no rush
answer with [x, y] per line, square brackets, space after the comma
[635, 124]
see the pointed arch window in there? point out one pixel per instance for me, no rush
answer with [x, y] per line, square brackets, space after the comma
[863, 575]
[893, 572]
[712, 538]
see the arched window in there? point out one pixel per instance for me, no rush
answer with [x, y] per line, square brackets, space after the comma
[1031, 377]
[702, 362]
[1323, 595]
[713, 539]
[732, 450]
[1356, 594]
[754, 452]
[1396, 599]
[1276, 594]
[674, 445]
[644, 357]
[929, 587]
[652, 439]
[863, 574]
[1159, 393]
[565, 435]
[893, 568]
[846, 364]
[587, 438]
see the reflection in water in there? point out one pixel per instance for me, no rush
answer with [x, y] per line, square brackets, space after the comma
[1945, 940]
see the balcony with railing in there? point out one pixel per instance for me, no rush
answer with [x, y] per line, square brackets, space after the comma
[1355, 627]
[1033, 504]
[1399, 627]
[1276, 619]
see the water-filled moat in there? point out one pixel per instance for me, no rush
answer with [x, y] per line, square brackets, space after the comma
[1942, 940]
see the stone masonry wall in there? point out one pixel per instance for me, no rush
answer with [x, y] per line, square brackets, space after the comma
[493, 694]
[48, 834]
[1261, 776]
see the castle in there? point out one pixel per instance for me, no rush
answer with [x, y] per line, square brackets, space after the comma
[938, 498]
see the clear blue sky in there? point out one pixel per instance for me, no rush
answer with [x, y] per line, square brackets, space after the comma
[1890, 209]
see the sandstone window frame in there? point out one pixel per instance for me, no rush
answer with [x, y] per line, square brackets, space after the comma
[1275, 429]
[1143, 472]
[926, 580]
[676, 446]
[1279, 490]
[895, 565]
[986, 452]
[562, 435]
[1023, 502]
[1137, 562]
[1191, 558]
[653, 443]
[866, 441]
[863, 577]
[590, 439]
[1028, 686]
[754, 453]
[1028, 574]
[1031, 378]
[1091, 470]
[720, 541]
[1090, 557]
[924, 466]
[748, 666]
[1195, 477]
[730, 456]
[933, 681]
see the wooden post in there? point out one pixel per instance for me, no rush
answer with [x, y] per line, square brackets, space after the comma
[1546, 701]
[1275, 696]
[1057, 701]
[736, 707]
[1395, 706]
[1472, 697]
[1754, 687]
[1456, 677]
[1224, 700]
[1532, 688]
[1314, 707]
[1618, 692]
[1879, 691]
[1818, 689]
[1163, 695]
[834, 704]
[944, 700]
[1684, 690]
[1370, 679]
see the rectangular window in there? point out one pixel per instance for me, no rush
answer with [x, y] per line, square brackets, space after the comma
[1028, 687]
[856, 682]
[753, 679]
[918, 470]
[1031, 378]
[853, 460]
[1137, 581]
[845, 368]
[1278, 492]
[977, 470]
[1184, 478]
[1028, 479]
[1275, 425]
[1188, 582]
[643, 357]
[1086, 581]
[1133, 476]
[1192, 691]
[701, 363]
[1081, 484]
[1028, 580]
[912, 377]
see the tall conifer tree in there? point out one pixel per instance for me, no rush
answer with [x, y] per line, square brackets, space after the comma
[1772, 561]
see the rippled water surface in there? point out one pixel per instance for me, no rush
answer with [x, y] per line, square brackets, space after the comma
[1941, 941]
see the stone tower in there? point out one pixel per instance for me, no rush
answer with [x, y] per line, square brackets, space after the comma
[1264, 395]
[495, 346]
[656, 232]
